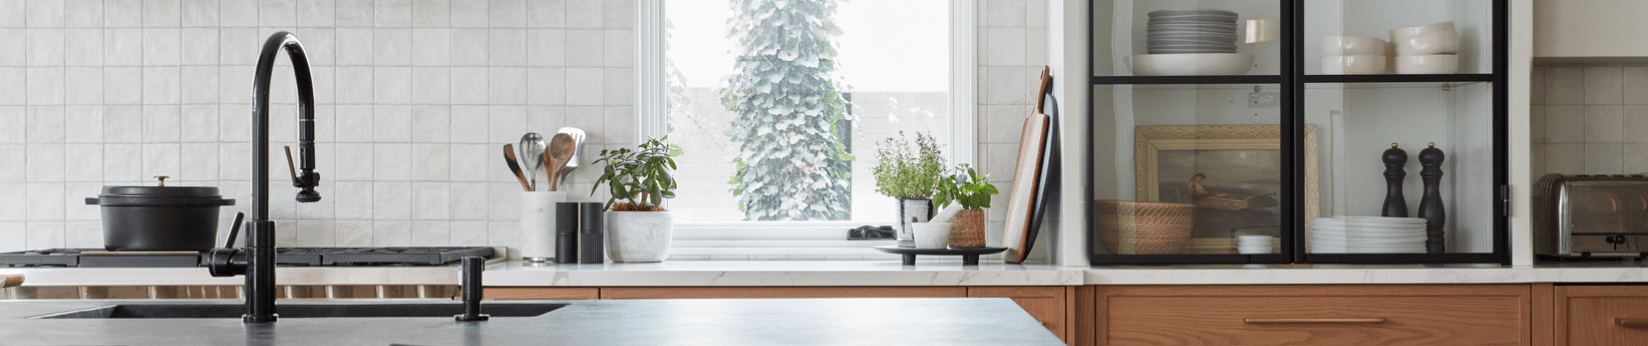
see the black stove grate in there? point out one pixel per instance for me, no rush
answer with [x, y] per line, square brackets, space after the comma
[293, 256]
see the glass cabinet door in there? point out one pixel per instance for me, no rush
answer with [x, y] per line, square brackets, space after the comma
[1188, 173]
[1402, 168]
[1186, 38]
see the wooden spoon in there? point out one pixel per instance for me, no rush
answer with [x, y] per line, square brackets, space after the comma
[11, 281]
[561, 148]
[509, 157]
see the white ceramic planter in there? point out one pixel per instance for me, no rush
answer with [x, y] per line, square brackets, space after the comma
[639, 236]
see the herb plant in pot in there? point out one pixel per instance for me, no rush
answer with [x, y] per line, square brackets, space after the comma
[638, 227]
[911, 175]
[971, 190]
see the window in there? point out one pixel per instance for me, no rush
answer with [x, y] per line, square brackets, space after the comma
[779, 106]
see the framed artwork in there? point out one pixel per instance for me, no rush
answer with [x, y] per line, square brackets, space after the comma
[1232, 173]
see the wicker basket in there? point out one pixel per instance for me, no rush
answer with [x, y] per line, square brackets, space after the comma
[1143, 228]
[967, 229]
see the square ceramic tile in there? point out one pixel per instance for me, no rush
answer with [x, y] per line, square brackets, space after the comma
[1004, 13]
[431, 233]
[200, 84]
[162, 13]
[123, 47]
[234, 162]
[464, 233]
[355, 85]
[161, 85]
[470, 161]
[123, 124]
[507, 13]
[45, 235]
[469, 201]
[507, 85]
[121, 13]
[1564, 124]
[354, 199]
[1536, 85]
[393, 47]
[1603, 85]
[234, 123]
[15, 94]
[1635, 157]
[620, 125]
[588, 46]
[355, 46]
[83, 47]
[433, 47]
[620, 48]
[355, 152]
[317, 13]
[162, 159]
[83, 13]
[45, 13]
[504, 201]
[1536, 126]
[316, 233]
[469, 124]
[1636, 123]
[431, 85]
[45, 162]
[392, 123]
[546, 13]
[431, 201]
[201, 46]
[199, 123]
[162, 123]
[590, 119]
[469, 47]
[431, 162]
[507, 47]
[618, 14]
[1603, 123]
[1635, 85]
[11, 37]
[87, 120]
[545, 119]
[470, 13]
[1604, 158]
[620, 86]
[84, 85]
[431, 124]
[199, 162]
[1565, 86]
[354, 233]
[584, 14]
[45, 85]
[277, 13]
[546, 47]
[83, 234]
[584, 86]
[392, 201]
[14, 155]
[431, 13]
[200, 13]
[546, 86]
[162, 46]
[238, 46]
[469, 85]
[122, 162]
[122, 85]
[354, 13]
[506, 124]
[1565, 158]
[1006, 85]
[392, 85]
[45, 125]
[392, 13]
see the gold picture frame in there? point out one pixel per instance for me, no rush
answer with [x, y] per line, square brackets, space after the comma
[1151, 141]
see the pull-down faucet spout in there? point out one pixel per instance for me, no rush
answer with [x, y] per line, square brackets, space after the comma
[257, 260]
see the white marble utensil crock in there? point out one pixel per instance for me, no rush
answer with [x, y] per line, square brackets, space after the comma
[538, 224]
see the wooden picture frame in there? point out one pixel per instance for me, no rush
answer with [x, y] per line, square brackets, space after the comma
[1151, 141]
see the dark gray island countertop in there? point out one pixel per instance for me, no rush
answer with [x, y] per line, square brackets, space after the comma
[878, 321]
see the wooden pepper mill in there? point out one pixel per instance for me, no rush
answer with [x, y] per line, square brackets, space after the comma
[1430, 207]
[1395, 205]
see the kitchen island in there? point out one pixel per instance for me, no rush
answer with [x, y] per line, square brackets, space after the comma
[925, 321]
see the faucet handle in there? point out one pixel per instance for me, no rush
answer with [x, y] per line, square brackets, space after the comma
[292, 168]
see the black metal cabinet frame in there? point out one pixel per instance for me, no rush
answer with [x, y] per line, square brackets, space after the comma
[1294, 81]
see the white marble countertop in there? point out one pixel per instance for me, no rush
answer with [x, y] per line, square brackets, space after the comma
[854, 273]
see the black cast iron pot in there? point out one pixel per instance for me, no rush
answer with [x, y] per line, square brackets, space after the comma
[159, 218]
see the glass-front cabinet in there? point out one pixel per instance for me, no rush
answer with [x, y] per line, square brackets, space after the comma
[1298, 131]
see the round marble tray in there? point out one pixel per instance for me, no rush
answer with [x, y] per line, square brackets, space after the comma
[969, 256]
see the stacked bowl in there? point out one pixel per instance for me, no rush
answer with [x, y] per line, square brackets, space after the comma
[1367, 234]
[1191, 42]
[1426, 49]
[1353, 55]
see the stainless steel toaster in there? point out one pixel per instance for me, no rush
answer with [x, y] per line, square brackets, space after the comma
[1590, 215]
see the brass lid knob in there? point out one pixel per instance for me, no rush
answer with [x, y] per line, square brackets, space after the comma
[162, 180]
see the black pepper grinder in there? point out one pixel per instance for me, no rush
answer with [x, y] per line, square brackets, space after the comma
[1430, 207]
[1395, 205]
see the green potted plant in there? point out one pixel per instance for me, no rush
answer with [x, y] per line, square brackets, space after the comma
[971, 190]
[638, 226]
[910, 174]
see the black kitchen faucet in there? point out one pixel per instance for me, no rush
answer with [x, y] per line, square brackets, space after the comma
[257, 260]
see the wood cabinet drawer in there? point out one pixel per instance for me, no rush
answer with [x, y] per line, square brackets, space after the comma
[1315, 315]
[1602, 315]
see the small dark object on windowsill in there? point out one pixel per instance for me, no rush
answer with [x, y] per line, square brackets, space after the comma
[868, 232]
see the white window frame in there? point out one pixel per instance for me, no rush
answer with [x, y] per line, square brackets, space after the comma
[807, 239]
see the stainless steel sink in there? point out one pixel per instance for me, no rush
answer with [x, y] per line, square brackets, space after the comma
[310, 310]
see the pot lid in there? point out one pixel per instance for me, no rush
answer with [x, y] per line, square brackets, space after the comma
[161, 191]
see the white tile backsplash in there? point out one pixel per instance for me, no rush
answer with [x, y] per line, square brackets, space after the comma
[414, 100]
[1590, 119]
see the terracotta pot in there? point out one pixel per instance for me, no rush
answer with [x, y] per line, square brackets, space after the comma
[967, 229]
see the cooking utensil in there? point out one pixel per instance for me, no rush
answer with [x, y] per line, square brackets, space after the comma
[509, 157]
[532, 156]
[561, 148]
[11, 280]
[577, 152]
[159, 218]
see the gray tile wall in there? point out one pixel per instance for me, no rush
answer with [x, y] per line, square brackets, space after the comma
[1589, 119]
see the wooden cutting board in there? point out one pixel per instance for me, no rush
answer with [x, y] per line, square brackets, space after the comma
[1021, 199]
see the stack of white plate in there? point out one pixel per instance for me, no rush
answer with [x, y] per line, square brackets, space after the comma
[1191, 32]
[1367, 234]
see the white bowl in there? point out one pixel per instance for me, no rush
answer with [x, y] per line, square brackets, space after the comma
[1352, 45]
[1353, 64]
[1254, 251]
[1427, 64]
[1404, 34]
[1436, 43]
[1208, 64]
